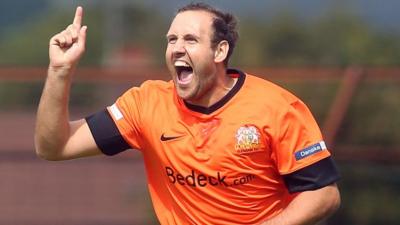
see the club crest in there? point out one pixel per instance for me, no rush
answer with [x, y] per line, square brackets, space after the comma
[247, 139]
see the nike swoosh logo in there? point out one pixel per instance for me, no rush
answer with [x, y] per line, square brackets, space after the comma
[168, 138]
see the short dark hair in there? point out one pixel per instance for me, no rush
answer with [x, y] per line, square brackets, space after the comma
[224, 25]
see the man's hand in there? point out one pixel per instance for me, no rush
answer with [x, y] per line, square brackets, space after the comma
[56, 138]
[66, 47]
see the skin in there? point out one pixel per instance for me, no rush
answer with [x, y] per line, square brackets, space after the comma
[57, 138]
[189, 40]
[308, 207]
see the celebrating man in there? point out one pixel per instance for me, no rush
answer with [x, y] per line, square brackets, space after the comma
[220, 146]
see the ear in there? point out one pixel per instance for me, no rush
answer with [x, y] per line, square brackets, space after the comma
[221, 51]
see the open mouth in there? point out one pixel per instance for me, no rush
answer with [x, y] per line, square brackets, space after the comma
[184, 72]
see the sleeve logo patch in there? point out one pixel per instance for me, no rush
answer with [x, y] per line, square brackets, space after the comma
[115, 112]
[310, 150]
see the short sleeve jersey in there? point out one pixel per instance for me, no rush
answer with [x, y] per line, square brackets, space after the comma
[240, 161]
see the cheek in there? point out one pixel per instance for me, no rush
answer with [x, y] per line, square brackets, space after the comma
[168, 58]
[167, 53]
[206, 65]
[205, 59]
[168, 50]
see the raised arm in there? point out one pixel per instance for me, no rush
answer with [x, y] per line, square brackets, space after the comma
[56, 138]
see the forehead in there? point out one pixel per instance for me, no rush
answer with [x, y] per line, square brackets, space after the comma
[197, 22]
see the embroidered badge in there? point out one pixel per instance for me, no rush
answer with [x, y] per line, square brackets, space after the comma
[310, 150]
[247, 139]
[115, 112]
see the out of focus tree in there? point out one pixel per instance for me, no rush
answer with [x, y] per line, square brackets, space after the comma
[338, 38]
[27, 43]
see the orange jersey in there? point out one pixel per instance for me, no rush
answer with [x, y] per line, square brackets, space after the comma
[236, 162]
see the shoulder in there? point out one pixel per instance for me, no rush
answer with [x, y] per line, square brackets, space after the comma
[269, 92]
[148, 94]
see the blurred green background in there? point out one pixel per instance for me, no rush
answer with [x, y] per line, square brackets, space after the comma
[273, 34]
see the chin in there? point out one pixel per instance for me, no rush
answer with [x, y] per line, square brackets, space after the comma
[186, 95]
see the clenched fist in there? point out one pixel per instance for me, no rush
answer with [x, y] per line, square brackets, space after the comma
[66, 47]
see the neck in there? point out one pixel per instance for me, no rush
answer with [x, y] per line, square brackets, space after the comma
[223, 84]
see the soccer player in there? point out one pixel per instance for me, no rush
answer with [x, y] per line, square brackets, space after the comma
[220, 146]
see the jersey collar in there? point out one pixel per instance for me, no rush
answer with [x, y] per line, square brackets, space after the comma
[208, 110]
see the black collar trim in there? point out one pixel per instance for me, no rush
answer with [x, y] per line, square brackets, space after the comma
[225, 99]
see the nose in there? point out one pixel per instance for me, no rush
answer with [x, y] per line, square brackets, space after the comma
[178, 48]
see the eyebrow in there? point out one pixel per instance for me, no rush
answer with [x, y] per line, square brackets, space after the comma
[185, 36]
[191, 35]
[167, 36]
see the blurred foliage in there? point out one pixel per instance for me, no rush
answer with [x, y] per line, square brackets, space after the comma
[145, 29]
[338, 38]
[27, 44]
[17, 96]
[373, 116]
[370, 194]
[25, 96]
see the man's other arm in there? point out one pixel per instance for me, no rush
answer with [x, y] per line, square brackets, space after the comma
[309, 207]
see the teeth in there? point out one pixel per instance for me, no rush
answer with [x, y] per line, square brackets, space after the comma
[181, 63]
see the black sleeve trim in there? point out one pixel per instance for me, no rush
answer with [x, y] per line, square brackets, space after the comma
[315, 176]
[106, 134]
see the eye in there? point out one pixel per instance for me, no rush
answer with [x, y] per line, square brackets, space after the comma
[171, 40]
[191, 39]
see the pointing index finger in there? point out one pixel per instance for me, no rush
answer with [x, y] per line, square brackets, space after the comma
[78, 16]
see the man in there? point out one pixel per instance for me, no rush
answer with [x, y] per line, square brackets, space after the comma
[220, 146]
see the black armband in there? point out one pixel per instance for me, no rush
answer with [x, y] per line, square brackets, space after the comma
[315, 176]
[106, 134]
